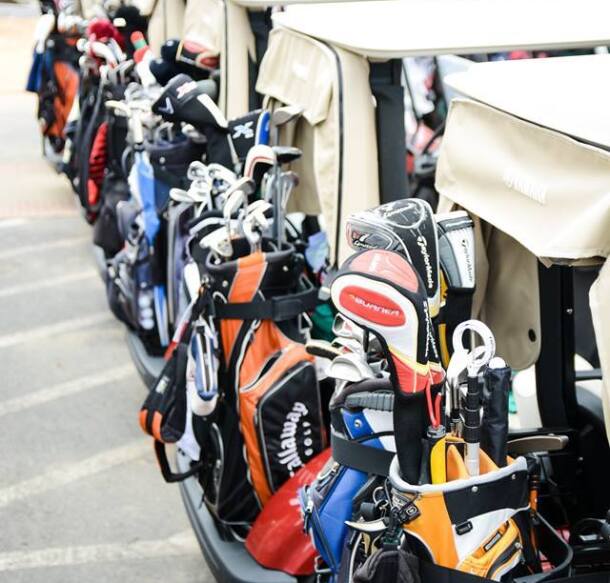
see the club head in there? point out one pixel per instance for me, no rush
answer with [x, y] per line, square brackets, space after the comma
[219, 242]
[407, 227]
[350, 367]
[348, 345]
[259, 160]
[197, 170]
[456, 250]
[236, 200]
[322, 349]
[286, 114]
[344, 328]
[382, 292]
[179, 195]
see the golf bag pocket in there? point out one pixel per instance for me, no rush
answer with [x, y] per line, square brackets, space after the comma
[468, 523]
[326, 504]
[281, 420]
[163, 414]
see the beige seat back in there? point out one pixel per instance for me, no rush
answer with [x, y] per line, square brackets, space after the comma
[339, 172]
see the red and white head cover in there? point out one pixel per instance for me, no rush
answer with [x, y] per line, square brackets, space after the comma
[381, 291]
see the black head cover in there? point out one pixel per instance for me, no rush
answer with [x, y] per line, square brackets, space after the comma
[184, 100]
[407, 227]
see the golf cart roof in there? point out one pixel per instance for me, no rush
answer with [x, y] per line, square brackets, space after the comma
[528, 152]
[565, 94]
[386, 29]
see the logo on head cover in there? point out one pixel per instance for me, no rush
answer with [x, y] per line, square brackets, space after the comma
[185, 88]
[244, 130]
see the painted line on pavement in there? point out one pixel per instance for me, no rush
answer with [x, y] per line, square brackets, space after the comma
[54, 329]
[72, 387]
[181, 544]
[42, 246]
[39, 284]
[67, 473]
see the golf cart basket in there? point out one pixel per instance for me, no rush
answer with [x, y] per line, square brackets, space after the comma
[347, 80]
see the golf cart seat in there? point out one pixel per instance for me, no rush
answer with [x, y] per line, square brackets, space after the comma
[347, 81]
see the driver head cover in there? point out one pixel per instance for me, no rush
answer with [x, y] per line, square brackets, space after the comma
[183, 100]
[382, 292]
[405, 226]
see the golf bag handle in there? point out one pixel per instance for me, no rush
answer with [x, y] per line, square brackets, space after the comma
[166, 470]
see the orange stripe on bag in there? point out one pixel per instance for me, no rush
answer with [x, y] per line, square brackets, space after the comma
[156, 425]
[143, 416]
[250, 272]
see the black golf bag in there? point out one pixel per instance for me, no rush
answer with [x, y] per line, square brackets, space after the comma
[265, 421]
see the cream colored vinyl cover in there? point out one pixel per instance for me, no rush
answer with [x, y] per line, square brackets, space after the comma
[340, 176]
[545, 193]
[385, 28]
[166, 22]
[203, 23]
[547, 190]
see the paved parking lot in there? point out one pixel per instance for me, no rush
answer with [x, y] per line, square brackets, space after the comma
[81, 498]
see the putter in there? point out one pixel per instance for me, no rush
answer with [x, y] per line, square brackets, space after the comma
[283, 116]
[477, 361]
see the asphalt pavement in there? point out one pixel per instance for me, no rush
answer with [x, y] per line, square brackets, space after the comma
[81, 497]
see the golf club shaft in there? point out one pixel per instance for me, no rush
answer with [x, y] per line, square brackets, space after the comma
[472, 425]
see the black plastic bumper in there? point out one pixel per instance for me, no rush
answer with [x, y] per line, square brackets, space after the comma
[229, 562]
[149, 367]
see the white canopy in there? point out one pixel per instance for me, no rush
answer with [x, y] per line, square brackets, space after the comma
[568, 94]
[401, 28]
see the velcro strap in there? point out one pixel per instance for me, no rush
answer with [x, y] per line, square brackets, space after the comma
[358, 456]
[277, 309]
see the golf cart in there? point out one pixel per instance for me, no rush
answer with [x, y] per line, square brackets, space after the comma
[536, 180]
[330, 79]
[347, 80]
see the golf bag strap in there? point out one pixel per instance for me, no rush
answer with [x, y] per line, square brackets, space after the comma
[168, 474]
[457, 310]
[358, 456]
[276, 309]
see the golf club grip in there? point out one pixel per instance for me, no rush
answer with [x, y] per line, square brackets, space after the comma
[472, 417]
[410, 426]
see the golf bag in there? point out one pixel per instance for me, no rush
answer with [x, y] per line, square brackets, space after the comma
[54, 77]
[363, 446]
[135, 271]
[269, 421]
[467, 529]
[266, 421]
[114, 188]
